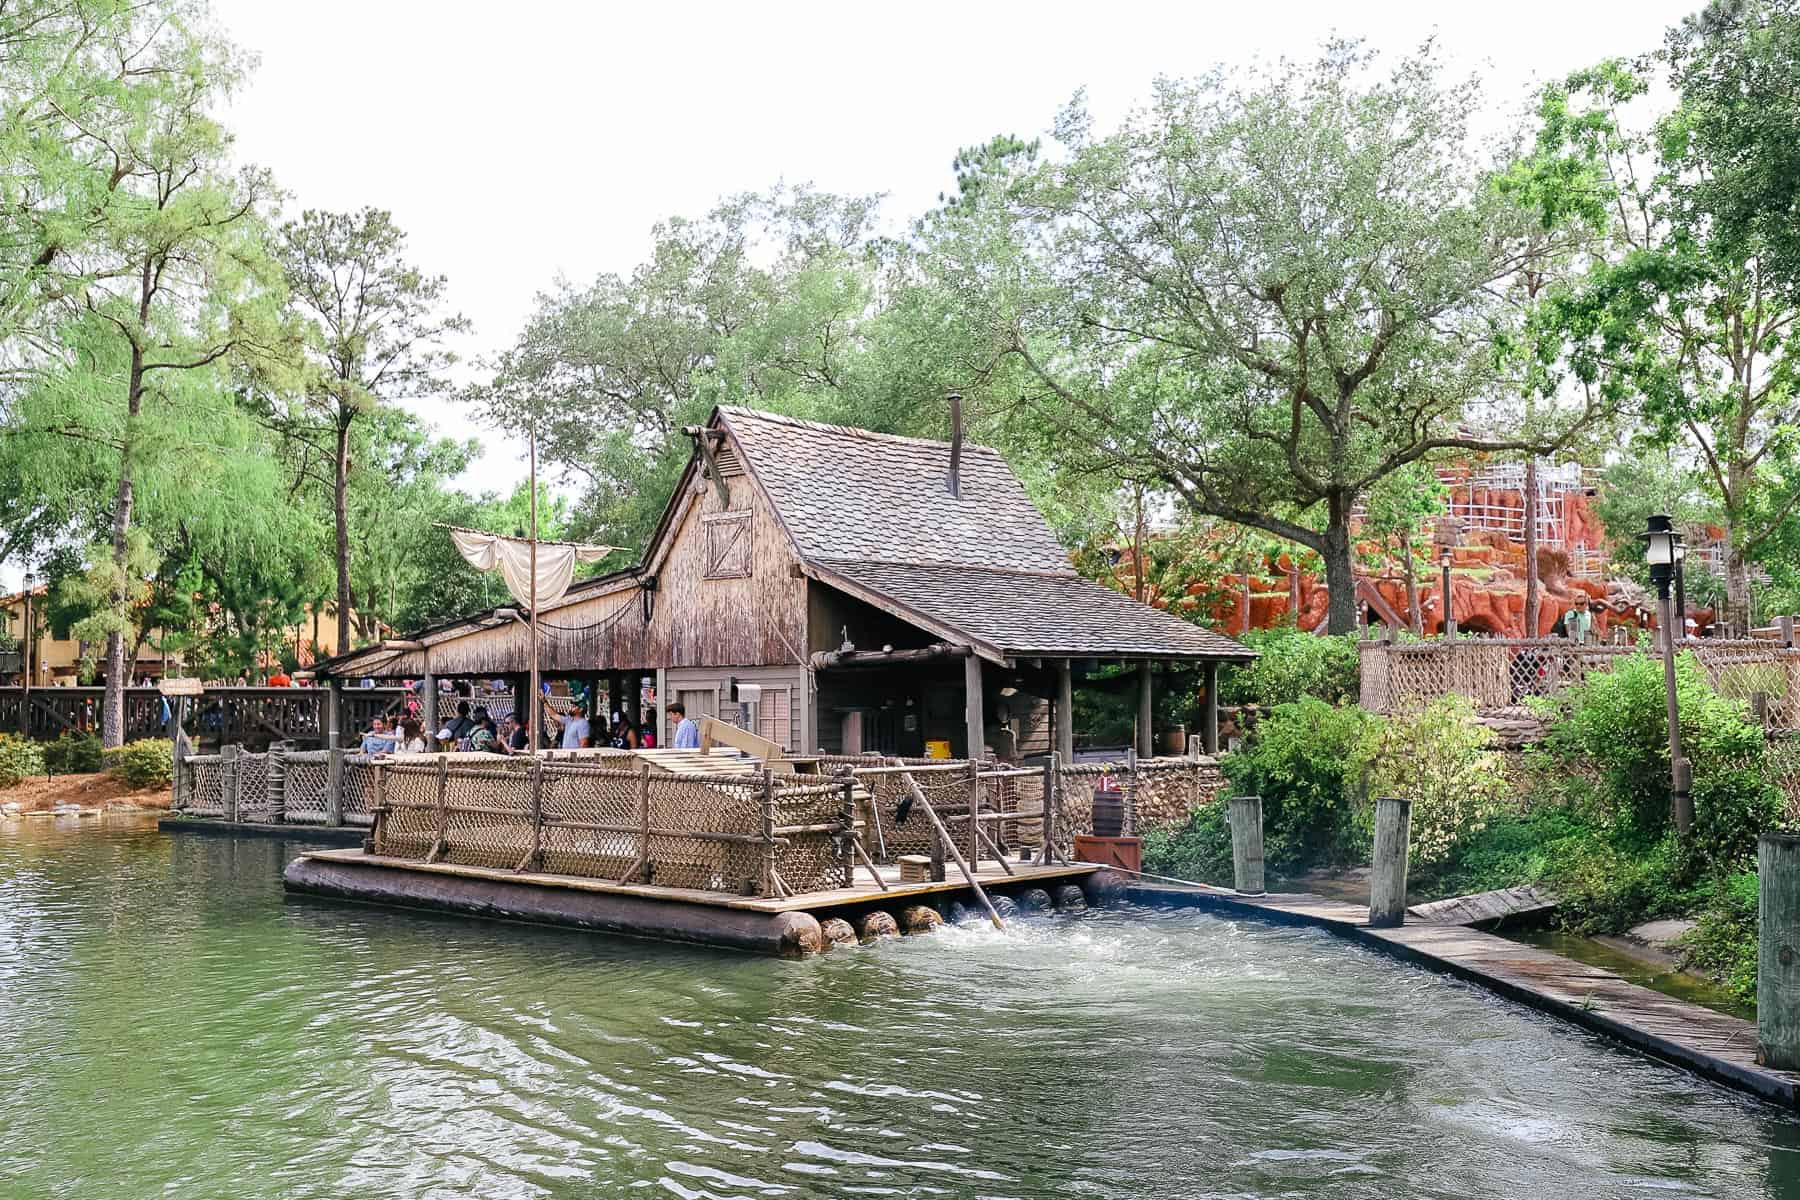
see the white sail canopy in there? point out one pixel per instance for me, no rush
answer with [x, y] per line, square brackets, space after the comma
[512, 557]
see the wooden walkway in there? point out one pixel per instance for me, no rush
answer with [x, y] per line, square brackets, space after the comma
[1713, 1044]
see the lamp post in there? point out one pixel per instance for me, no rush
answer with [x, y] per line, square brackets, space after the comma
[1660, 542]
[1680, 589]
[1445, 558]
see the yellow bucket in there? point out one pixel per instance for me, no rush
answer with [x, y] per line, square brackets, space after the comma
[937, 748]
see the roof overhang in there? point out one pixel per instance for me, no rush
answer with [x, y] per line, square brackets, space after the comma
[910, 615]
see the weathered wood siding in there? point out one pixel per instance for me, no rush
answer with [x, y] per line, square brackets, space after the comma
[720, 602]
[739, 620]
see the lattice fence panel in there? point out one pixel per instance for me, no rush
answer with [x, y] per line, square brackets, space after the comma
[948, 791]
[307, 774]
[575, 797]
[815, 861]
[359, 788]
[206, 787]
[254, 800]
[683, 807]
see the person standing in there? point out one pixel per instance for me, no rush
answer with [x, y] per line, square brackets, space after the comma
[577, 734]
[687, 734]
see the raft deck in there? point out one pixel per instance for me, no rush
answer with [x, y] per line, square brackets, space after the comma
[784, 925]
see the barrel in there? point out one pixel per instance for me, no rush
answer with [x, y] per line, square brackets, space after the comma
[1109, 812]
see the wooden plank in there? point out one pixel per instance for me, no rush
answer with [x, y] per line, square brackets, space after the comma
[1484, 906]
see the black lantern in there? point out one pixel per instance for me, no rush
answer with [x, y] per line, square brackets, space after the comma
[1660, 543]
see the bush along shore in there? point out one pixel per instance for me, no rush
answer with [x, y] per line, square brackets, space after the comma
[73, 772]
[1585, 814]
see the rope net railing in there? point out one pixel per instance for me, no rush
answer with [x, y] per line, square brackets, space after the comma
[752, 834]
[1497, 673]
[1013, 802]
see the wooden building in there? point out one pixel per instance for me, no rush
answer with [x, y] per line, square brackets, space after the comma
[885, 593]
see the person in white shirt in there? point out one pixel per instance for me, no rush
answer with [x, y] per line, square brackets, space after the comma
[577, 734]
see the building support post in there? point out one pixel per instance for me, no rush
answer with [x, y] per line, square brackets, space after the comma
[1209, 731]
[334, 708]
[974, 710]
[1065, 710]
[1146, 736]
[428, 713]
[1387, 881]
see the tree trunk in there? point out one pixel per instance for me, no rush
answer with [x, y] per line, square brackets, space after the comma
[112, 704]
[1737, 587]
[1413, 616]
[340, 500]
[1340, 576]
[1529, 499]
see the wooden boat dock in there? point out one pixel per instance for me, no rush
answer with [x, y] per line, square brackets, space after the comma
[1714, 1044]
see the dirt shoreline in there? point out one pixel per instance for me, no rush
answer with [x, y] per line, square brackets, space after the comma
[100, 793]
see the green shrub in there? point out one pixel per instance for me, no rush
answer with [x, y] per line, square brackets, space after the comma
[1296, 763]
[73, 754]
[146, 763]
[1294, 665]
[1618, 722]
[20, 758]
[1439, 759]
[1723, 940]
[1199, 851]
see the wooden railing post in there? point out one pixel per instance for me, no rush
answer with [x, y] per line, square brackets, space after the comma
[277, 778]
[1052, 773]
[975, 813]
[334, 780]
[1244, 815]
[534, 857]
[644, 820]
[1387, 880]
[439, 846]
[771, 882]
[1778, 952]
[1128, 826]
[228, 772]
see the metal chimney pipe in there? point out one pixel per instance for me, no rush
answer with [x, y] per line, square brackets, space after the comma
[956, 436]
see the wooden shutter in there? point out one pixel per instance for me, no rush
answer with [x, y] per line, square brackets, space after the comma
[772, 717]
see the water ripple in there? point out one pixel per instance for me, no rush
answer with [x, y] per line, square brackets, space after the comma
[174, 1027]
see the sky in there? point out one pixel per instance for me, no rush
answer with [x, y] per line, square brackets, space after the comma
[524, 141]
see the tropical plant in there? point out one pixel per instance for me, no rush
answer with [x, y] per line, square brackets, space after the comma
[1440, 758]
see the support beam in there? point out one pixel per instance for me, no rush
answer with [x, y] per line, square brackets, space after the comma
[1146, 736]
[1209, 729]
[1065, 710]
[973, 707]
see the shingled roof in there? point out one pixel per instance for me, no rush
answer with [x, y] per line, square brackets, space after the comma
[872, 514]
[850, 493]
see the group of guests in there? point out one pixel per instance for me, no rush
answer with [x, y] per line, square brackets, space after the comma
[578, 732]
[474, 728]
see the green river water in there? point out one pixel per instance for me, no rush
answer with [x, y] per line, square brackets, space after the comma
[172, 1026]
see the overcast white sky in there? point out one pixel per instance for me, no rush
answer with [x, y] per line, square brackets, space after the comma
[521, 140]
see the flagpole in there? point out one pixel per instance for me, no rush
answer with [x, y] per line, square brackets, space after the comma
[533, 711]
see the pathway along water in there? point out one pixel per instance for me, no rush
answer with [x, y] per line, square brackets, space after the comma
[172, 1027]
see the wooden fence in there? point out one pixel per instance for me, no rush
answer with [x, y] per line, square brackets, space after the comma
[1496, 673]
[248, 716]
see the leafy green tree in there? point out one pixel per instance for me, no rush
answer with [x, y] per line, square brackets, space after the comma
[1267, 297]
[760, 302]
[376, 333]
[172, 283]
[1734, 64]
[1678, 318]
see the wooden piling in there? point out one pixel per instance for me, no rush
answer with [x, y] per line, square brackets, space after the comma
[1387, 881]
[1244, 814]
[228, 770]
[1778, 952]
[334, 780]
